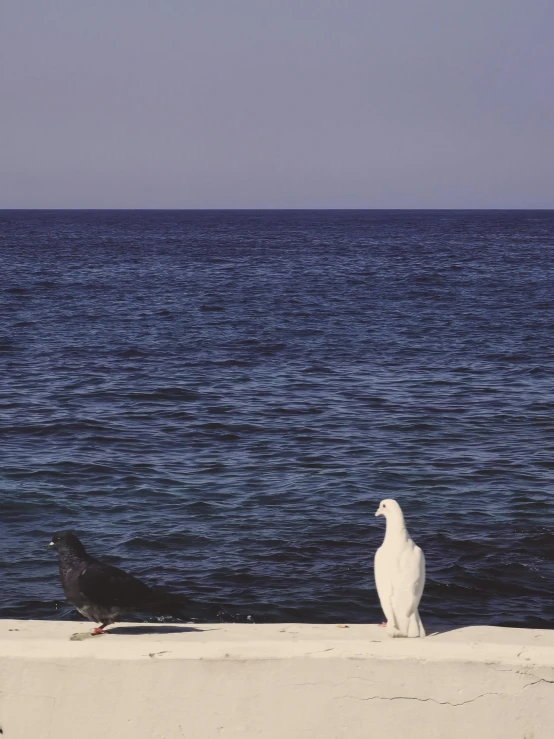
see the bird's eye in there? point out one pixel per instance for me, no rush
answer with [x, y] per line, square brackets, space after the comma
[384, 506]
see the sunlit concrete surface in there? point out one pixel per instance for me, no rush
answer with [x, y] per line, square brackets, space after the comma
[273, 681]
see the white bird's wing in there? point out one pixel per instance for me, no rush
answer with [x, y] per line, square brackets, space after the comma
[412, 577]
[383, 580]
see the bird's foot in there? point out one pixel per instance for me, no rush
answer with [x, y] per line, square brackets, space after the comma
[384, 624]
[98, 631]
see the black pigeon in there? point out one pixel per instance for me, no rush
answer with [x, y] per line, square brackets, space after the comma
[103, 593]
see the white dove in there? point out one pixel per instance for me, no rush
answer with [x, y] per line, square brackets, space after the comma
[399, 574]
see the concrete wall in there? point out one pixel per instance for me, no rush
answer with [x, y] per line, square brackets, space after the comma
[285, 681]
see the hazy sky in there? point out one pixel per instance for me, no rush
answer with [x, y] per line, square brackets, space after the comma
[281, 103]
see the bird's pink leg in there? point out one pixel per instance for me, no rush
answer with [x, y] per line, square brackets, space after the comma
[383, 624]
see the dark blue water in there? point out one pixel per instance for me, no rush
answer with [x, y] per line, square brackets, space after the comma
[217, 401]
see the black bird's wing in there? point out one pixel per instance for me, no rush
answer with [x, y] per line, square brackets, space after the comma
[109, 586]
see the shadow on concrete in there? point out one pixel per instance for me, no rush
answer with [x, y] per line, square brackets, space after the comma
[442, 630]
[154, 629]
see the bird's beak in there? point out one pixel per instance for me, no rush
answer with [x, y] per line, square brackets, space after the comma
[51, 544]
[379, 512]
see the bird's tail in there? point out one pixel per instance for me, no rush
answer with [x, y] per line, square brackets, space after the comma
[415, 627]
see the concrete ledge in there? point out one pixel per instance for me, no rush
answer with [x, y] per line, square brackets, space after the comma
[273, 681]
